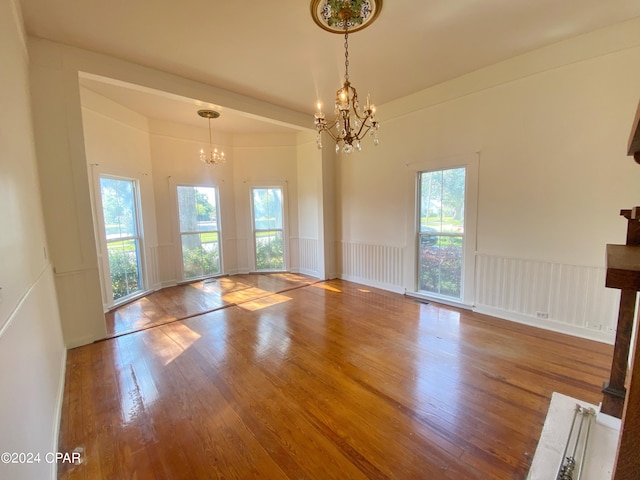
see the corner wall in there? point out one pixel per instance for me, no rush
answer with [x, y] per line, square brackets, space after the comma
[63, 168]
[32, 353]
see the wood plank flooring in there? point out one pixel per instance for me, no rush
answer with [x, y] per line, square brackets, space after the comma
[324, 380]
[176, 303]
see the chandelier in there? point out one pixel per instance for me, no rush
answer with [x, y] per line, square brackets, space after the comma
[352, 122]
[214, 157]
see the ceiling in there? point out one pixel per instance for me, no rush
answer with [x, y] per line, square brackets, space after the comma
[274, 52]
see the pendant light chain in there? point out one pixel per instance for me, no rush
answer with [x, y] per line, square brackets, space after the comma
[346, 54]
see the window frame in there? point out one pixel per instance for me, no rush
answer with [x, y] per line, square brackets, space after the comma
[450, 234]
[253, 243]
[410, 258]
[104, 241]
[180, 233]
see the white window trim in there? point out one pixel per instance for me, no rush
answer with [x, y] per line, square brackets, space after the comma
[177, 234]
[410, 267]
[285, 225]
[101, 240]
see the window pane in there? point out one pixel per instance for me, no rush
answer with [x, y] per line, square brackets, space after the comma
[442, 201]
[267, 208]
[440, 267]
[200, 254]
[118, 208]
[124, 267]
[197, 209]
[441, 232]
[198, 217]
[269, 250]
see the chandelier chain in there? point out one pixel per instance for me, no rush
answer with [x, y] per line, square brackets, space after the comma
[346, 53]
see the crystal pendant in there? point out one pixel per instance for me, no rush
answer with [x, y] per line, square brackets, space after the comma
[319, 141]
[357, 146]
[347, 148]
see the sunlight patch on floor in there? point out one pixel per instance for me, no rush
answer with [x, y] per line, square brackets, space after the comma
[182, 337]
[324, 286]
[264, 302]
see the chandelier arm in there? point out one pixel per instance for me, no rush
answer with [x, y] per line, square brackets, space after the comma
[362, 134]
[362, 117]
[331, 134]
[329, 126]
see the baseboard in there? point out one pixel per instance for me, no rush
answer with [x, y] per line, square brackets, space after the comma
[79, 342]
[305, 271]
[383, 286]
[440, 300]
[547, 324]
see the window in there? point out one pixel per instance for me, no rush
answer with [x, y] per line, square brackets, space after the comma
[199, 231]
[441, 232]
[123, 241]
[268, 230]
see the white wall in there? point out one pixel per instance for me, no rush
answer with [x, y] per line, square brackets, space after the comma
[265, 161]
[175, 151]
[32, 354]
[66, 202]
[251, 160]
[309, 170]
[117, 143]
[551, 130]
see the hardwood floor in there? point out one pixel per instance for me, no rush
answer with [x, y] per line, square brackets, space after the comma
[177, 303]
[324, 380]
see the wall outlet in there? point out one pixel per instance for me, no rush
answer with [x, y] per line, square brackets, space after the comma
[542, 314]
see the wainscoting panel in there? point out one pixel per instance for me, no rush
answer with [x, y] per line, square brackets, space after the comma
[308, 256]
[567, 298]
[80, 306]
[375, 265]
[151, 263]
[166, 265]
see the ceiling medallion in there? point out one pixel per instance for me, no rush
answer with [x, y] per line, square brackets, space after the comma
[332, 15]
